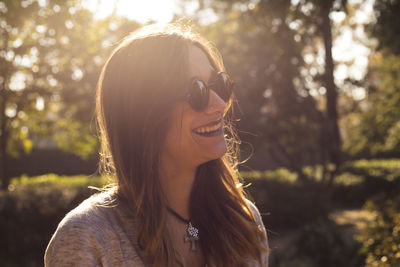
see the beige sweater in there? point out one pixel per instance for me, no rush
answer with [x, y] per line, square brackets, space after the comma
[100, 232]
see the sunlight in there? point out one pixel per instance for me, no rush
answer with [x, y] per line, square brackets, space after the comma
[352, 47]
[18, 81]
[140, 11]
[39, 103]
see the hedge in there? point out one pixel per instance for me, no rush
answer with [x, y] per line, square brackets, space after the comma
[33, 206]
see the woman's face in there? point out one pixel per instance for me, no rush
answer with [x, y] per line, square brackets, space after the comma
[196, 137]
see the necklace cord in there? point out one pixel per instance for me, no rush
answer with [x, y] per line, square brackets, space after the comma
[177, 215]
[192, 234]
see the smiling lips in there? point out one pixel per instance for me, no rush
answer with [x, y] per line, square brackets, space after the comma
[209, 130]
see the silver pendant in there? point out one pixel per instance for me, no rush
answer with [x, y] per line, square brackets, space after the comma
[192, 236]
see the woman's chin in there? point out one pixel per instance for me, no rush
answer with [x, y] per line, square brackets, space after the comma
[215, 153]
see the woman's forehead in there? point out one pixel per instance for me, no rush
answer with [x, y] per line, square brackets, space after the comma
[199, 65]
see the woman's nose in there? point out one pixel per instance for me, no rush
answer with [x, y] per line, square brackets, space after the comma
[215, 103]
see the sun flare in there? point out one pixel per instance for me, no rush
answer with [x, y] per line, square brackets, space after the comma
[161, 11]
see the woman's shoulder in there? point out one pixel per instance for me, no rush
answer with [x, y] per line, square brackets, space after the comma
[256, 213]
[83, 233]
[91, 213]
[259, 222]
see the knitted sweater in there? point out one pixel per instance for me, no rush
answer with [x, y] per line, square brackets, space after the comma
[102, 232]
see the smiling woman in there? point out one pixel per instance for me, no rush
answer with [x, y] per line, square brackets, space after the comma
[162, 100]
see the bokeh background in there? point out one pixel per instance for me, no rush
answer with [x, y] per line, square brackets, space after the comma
[318, 89]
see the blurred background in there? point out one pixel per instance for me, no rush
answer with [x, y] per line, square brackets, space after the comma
[318, 89]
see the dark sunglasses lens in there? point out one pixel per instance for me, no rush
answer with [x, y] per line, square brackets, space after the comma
[198, 95]
[224, 86]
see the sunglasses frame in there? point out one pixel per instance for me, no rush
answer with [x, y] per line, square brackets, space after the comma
[203, 91]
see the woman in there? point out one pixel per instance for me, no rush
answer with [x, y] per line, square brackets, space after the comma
[162, 100]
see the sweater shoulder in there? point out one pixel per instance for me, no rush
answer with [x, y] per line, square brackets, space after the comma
[92, 212]
[256, 213]
[81, 235]
[259, 222]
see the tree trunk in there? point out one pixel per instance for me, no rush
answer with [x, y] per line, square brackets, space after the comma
[3, 141]
[333, 139]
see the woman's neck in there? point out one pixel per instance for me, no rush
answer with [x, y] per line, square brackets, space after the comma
[176, 183]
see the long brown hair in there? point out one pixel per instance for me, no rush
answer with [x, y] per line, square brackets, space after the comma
[140, 83]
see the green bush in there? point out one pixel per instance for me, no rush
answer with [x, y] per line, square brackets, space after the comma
[33, 206]
[52, 179]
[386, 169]
[320, 243]
[31, 210]
[381, 238]
[285, 204]
[364, 179]
[280, 175]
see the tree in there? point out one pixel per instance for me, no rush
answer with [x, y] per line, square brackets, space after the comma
[51, 53]
[264, 43]
[375, 125]
[17, 54]
[387, 27]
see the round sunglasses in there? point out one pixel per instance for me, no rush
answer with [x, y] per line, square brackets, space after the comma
[199, 92]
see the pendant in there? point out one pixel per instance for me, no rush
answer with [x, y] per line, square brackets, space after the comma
[192, 236]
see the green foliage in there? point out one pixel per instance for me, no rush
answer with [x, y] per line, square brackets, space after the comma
[57, 180]
[55, 49]
[31, 210]
[264, 55]
[51, 53]
[320, 243]
[349, 179]
[374, 129]
[286, 204]
[373, 126]
[76, 137]
[386, 169]
[391, 164]
[381, 238]
[364, 179]
[387, 26]
[33, 206]
[353, 172]
[281, 175]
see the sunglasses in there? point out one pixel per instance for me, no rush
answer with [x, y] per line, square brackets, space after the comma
[199, 91]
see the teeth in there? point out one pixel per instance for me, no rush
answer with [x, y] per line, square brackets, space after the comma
[208, 129]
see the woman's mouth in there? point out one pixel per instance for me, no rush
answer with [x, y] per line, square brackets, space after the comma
[212, 130]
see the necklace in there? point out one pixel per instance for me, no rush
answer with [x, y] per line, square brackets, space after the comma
[192, 234]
